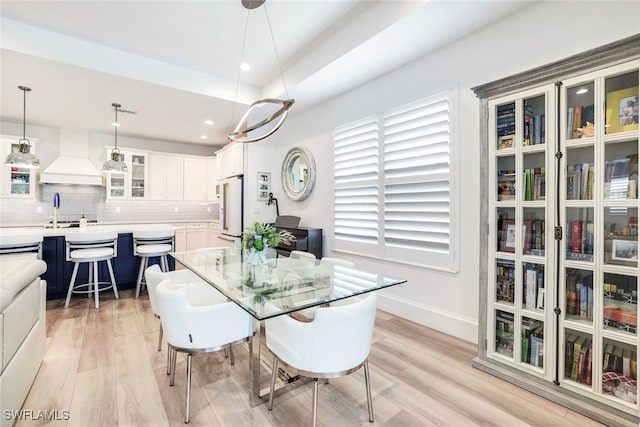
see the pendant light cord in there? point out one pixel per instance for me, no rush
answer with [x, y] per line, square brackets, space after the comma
[116, 128]
[244, 41]
[275, 48]
[24, 113]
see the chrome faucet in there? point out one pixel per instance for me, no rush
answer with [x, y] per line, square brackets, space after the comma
[56, 208]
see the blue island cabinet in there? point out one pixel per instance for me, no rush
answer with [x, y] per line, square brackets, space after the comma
[59, 270]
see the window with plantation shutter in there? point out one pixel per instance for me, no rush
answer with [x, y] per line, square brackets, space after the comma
[393, 185]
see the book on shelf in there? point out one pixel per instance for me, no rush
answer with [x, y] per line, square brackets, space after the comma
[570, 123]
[633, 366]
[584, 176]
[504, 333]
[577, 121]
[505, 280]
[606, 357]
[530, 287]
[568, 354]
[576, 236]
[615, 362]
[626, 362]
[589, 372]
[572, 295]
[582, 362]
[577, 347]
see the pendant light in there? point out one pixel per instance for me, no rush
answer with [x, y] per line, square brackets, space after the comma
[23, 158]
[264, 116]
[115, 165]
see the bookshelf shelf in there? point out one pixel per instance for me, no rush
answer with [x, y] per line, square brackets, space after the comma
[565, 229]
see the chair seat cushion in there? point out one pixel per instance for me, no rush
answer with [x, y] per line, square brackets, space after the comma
[151, 250]
[93, 254]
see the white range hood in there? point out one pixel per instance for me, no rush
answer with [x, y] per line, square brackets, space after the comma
[73, 165]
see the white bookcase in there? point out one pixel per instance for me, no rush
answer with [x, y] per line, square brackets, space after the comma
[559, 268]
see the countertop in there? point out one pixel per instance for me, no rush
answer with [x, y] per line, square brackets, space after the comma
[37, 230]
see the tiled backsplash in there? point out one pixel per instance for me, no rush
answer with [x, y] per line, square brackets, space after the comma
[78, 200]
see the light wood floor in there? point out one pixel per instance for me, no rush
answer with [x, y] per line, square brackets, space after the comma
[102, 365]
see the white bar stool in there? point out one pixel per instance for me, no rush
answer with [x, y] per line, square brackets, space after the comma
[150, 243]
[23, 244]
[91, 247]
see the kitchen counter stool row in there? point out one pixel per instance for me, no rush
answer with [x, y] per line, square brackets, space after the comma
[85, 253]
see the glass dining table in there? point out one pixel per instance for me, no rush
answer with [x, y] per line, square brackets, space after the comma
[281, 286]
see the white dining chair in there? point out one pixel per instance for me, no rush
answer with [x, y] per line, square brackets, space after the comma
[202, 293]
[302, 255]
[337, 261]
[193, 329]
[336, 343]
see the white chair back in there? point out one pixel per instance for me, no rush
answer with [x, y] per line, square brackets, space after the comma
[336, 261]
[338, 339]
[90, 240]
[301, 255]
[199, 327]
[160, 236]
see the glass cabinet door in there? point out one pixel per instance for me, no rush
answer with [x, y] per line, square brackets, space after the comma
[133, 183]
[600, 216]
[137, 175]
[18, 182]
[518, 270]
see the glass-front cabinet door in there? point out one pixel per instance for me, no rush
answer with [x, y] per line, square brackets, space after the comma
[16, 182]
[599, 216]
[133, 183]
[521, 139]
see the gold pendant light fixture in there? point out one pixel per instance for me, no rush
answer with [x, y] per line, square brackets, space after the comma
[23, 158]
[116, 164]
[264, 116]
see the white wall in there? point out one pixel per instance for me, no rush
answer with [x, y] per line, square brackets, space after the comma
[546, 32]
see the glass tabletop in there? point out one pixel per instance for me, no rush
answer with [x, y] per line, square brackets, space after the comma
[282, 285]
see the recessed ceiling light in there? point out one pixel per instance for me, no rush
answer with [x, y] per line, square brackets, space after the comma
[245, 66]
[581, 91]
[208, 122]
[203, 136]
[115, 124]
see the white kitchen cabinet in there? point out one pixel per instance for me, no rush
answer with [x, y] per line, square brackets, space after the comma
[18, 183]
[166, 177]
[211, 178]
[132, 184]
[181, 237]
[232, 160]
[197, 236]
[195, 178]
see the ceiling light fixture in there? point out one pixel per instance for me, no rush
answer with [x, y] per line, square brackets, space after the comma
[208, 122]
[116, 164]
[23, 158]
[264, 116]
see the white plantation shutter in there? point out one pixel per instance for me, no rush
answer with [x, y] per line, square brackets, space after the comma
[356, 191]
[416, 175]
[393, 185]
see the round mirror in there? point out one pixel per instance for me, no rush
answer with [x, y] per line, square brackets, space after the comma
[298, 173]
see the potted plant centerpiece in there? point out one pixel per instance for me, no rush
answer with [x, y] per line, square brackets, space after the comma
[261, 236]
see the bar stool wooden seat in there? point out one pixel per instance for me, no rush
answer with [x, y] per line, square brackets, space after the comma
[152, 243]
[91, 247]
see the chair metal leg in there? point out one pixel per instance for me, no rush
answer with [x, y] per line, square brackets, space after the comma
[274, 373]
[174, 356]
[140, 273]
[233, 361]
[367, 381]
[164, 263]
[73, 281]
[96, 286]
[90, 281]
[226, 352]
[113, 279]
[160, 338]
[189, 357]
[169, 359]
[314, 410]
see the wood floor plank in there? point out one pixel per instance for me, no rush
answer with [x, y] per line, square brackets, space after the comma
[103, 366]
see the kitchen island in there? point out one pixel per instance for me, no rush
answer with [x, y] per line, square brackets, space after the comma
[59, 270]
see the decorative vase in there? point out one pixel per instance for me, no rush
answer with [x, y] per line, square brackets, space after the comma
[257, 257]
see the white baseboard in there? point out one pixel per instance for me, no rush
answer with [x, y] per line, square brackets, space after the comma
[433, 317]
